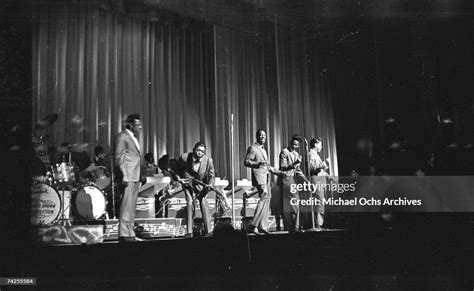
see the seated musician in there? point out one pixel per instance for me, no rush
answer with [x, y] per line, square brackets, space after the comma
[198, 169]
[99, 158]
[150, 167]
[164, 166]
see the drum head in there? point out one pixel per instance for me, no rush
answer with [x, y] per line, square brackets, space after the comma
[45, 204]
[89, 203]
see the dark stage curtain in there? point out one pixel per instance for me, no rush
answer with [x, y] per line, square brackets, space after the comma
[283, 94]
[94, 67]
[243, 88]
[305, 84]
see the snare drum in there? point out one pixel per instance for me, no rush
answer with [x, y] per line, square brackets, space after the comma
[89, 203]
[45, 204]
[63, 174]
[100, 177]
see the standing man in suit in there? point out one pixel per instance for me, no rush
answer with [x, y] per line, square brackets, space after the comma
[257, 160]
[318, 173]
[290, 161]
[128, 161]
[199, 169]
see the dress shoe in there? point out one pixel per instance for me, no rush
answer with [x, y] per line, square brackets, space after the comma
[264, 231]
[255, 231]
[188, 235]
[138, 239]
[127, 239]
[319, 228]
[209, 234]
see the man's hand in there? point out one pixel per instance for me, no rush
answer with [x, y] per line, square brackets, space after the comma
[184, 181]
[262, 164]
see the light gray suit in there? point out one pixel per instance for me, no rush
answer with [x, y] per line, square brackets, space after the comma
[128, 160]
[255, 155]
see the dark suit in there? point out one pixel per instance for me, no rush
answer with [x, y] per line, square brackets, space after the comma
[256, 154]
[290, 171]
[128, 161]
[204, 174]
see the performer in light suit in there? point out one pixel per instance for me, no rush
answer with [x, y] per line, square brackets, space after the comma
[318, 172]
[128, 161]
[257, 160]
[290, 161]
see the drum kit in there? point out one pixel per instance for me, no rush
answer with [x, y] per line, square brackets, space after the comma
[59, 194]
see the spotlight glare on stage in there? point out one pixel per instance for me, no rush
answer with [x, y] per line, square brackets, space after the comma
[395, 145]
[447, 120]
[452, 145]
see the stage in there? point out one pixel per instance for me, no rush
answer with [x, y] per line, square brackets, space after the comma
[432, 251]
[385, 85]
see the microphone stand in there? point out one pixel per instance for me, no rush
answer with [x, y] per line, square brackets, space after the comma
[232, 167]
[113, 187]
[313, 227]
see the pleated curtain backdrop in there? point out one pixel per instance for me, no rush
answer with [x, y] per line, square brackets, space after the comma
[242, 89]
[305, 97]
[94, 67]
[285, 95]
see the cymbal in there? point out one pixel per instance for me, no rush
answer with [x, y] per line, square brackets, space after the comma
[46, 121]
[79, 147]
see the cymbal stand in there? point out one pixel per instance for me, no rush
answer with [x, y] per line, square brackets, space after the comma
[113, 188]
[63, 220]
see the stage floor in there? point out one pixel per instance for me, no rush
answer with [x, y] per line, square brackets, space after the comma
[427, 253]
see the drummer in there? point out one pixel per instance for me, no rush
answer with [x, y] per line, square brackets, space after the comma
[99, 158]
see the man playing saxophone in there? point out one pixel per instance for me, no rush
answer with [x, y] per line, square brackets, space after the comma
[198, 170]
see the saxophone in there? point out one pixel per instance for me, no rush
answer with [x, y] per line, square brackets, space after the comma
[221, 201]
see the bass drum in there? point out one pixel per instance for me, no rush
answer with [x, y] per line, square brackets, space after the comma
[45, 204]
[89, 203]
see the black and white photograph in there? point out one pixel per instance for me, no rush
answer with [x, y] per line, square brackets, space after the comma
[237, 144]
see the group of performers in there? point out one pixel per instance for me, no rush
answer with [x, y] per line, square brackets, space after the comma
[193, 172]
[198, 170]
